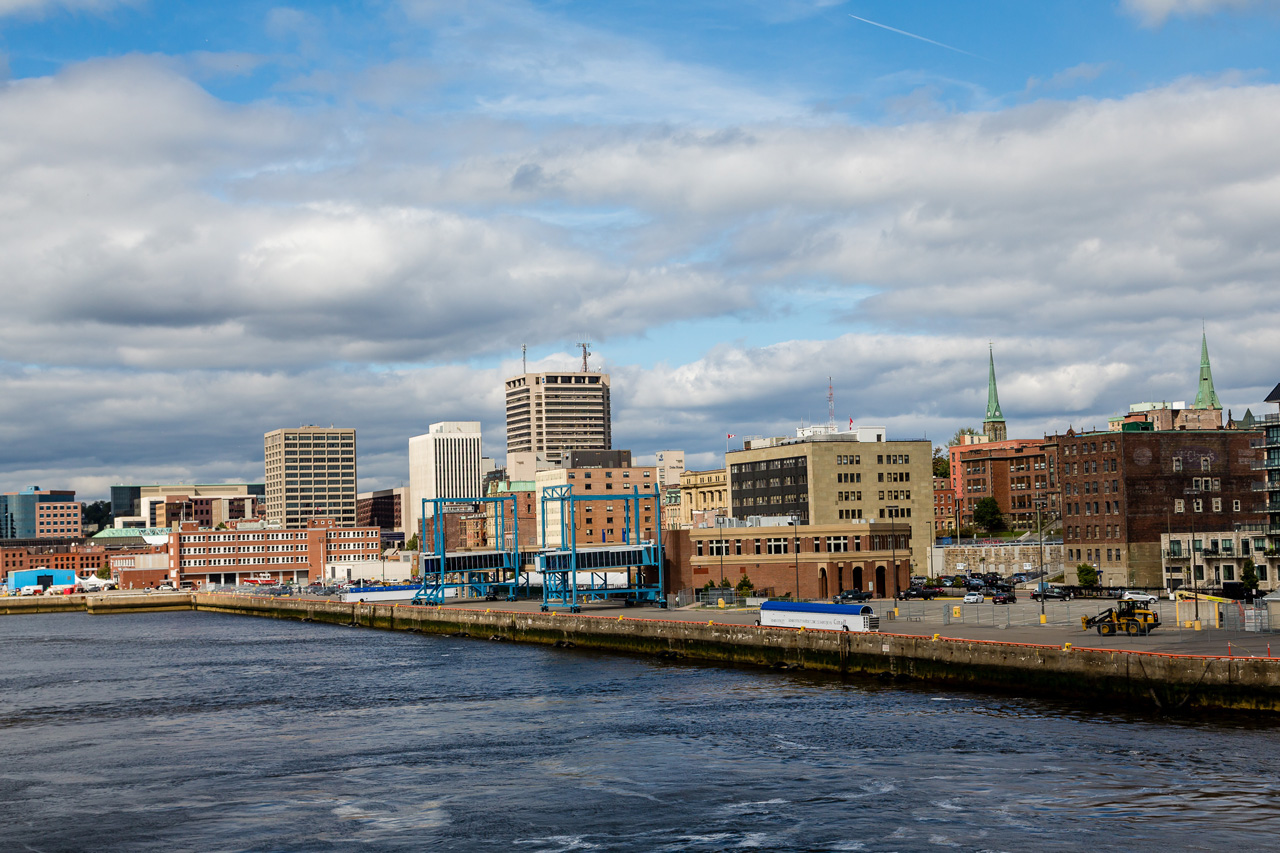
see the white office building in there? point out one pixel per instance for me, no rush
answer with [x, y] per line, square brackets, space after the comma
[445, 462]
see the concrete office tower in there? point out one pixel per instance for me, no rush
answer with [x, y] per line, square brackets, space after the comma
[670, 467]
[549, 414]
[445, 462]
[311, 473]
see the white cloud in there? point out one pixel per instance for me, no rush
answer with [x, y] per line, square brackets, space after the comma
[1153, 13]
[40, 7]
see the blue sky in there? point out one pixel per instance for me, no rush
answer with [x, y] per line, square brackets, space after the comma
[224, 218]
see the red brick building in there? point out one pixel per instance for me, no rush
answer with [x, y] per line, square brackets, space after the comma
[831, 558]
[944, 505]
[214, 557]
[1121, 490]
[1017, 472]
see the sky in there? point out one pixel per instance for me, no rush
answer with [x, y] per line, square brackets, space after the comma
[221, 219]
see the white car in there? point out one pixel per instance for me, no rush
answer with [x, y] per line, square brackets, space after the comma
[973, 598]
[1145, 597]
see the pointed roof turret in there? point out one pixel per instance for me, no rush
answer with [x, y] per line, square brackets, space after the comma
[993, 399]
[1206, 397]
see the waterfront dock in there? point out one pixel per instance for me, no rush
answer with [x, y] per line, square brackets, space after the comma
[1071, 669]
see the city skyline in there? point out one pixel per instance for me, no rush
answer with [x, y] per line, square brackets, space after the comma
[223, 222]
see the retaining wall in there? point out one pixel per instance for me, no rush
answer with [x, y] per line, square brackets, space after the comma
[1132, 678]
[1144, 679]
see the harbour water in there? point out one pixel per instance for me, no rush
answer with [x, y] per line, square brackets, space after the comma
[196, 731]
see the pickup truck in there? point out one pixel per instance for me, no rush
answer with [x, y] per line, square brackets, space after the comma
[853, 595]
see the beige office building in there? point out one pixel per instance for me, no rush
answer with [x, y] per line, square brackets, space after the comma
[311, 473]
[852, 478]
[549, 414]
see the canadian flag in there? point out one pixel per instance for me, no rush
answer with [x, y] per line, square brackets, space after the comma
[850, 423]
[730, 435]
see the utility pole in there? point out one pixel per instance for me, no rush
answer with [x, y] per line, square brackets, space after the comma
[795, 525]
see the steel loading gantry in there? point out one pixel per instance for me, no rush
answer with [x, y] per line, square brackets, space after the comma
[482, 574]
[630, 572]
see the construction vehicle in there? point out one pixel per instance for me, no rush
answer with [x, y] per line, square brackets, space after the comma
[1131, 617]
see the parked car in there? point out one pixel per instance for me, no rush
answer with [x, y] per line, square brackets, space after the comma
[1004, 597]
[1133, 595]
[851, 595]
[1053, 593]
[973, 598]
[166, 587]
[914, 593]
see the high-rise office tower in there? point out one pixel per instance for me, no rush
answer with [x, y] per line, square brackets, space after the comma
[311, 473]
[445, 462]
[549, 414]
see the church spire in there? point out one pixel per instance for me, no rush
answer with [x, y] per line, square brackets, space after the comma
[993, 425]
[1206, 397]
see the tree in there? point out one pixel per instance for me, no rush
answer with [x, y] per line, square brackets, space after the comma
[941, 465]
[745, 586]
[412, 544]
[958, 438]
[103, 573]
[987, 515]
[99, 513]
[1086, 575]
[1249, 574]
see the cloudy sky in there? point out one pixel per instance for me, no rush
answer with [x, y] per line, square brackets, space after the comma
[218, 219]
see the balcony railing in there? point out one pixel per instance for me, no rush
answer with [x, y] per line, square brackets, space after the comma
[1169, 555]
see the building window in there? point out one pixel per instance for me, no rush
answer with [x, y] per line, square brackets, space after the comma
[1235, 506]
[1177, 463]
[1197, 505]
[1179, 505]
[1217, 504]
[1204, 463]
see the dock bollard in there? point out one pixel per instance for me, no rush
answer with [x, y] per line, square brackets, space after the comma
[1044, 619]
[1066, 647]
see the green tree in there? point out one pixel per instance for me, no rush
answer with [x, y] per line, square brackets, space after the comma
[941, 464]
[1086, 575]
[987, 515]
[412, 544]
[1249, 574]
[745, 586]
[99, 513]
[103, 573]
[959, 436]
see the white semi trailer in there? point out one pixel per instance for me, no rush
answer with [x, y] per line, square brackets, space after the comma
[819, 615]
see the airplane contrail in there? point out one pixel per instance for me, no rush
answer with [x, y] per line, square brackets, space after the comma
[914, 36]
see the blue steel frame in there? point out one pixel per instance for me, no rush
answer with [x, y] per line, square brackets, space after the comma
[437, 577]
[560, 587]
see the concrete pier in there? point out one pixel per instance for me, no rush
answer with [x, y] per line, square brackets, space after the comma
[1128, 678]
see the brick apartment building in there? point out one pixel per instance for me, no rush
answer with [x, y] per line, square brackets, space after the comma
[1121, 490]
[944, 506]
[1017, 472]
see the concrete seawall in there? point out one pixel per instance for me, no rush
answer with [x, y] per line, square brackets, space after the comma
[1136, 679]
[1130, 679]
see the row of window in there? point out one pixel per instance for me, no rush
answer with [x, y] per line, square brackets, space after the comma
[1197, 505]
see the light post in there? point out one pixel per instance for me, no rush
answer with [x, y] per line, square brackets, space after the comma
[1040, 536]
[893, 543]
[720, 531]
[795, 524]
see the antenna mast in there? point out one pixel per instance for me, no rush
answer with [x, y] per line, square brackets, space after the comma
[586, 350]
[831, 404]
[524, 358]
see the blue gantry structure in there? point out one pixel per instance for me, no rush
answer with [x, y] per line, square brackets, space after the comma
[472, 574]
[573, 573]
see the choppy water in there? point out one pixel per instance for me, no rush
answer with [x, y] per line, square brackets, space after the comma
[185, 731]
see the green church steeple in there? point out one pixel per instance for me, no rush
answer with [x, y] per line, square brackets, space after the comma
[1206, 397]
[993, 426]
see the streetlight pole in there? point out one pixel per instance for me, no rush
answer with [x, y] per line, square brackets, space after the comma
[893, 543]
[720, 531]
[1040, 536]
[795, 524]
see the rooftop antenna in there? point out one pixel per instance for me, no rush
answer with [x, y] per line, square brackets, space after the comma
[586, 350]
[524, 358]
[831, 405]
